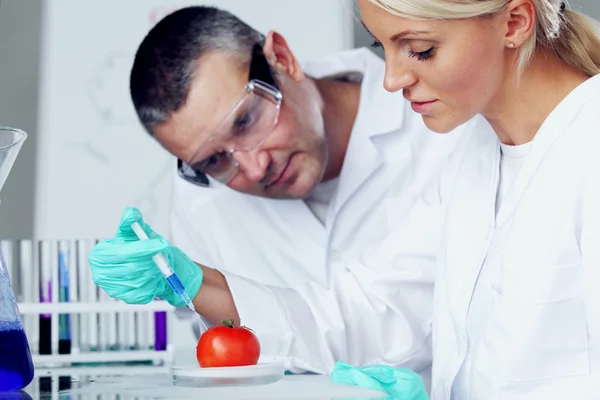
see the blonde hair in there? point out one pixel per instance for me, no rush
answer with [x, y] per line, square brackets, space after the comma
[572, 36]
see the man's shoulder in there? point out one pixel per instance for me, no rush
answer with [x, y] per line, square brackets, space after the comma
[189, 198]
[344, 61]
[217, 202]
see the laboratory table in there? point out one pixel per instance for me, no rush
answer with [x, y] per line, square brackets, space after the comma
[148, 382]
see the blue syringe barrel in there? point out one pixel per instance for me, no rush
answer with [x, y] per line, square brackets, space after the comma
[161, 262]
[175, 284]
[164, 267]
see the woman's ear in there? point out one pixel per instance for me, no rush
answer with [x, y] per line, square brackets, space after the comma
[521, 22]
[280, 57]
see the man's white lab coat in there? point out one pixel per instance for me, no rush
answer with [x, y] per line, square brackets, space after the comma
[360, 288]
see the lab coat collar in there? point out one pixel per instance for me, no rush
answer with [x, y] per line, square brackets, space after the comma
[552, 128]
[379, 113]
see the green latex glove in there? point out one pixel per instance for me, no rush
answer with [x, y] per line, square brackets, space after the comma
[399, 383]
[123, 267]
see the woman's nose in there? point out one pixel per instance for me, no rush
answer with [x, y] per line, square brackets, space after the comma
[397, 76]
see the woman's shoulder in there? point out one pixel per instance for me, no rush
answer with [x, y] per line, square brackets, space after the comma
[582, 136]
[586, 124]
[580, 112]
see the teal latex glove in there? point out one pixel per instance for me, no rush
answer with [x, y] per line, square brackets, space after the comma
[123, 267]
[399, 383]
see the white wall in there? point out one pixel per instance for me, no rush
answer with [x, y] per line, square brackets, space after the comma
[87, 157]
[64, 78]
[589, 7]
[20, 32]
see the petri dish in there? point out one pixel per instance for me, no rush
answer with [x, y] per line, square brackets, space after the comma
[251, 375]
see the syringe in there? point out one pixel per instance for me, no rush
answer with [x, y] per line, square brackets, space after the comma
[169, 274]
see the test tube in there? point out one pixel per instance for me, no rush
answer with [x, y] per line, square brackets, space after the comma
[45, 289]
[29, 289]
[55, 291]
[64, 283]
[160, 329]
[74, 296]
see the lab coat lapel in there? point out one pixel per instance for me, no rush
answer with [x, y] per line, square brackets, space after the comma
[470, 220]
[379, 113]
[355, 175]
[548, 134]
[308, 232]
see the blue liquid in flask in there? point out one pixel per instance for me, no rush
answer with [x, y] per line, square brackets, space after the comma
[16, 365]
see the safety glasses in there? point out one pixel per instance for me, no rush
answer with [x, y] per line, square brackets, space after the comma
[245, 127]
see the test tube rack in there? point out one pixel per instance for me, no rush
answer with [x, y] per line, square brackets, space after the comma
[103, 353]
[69, 321]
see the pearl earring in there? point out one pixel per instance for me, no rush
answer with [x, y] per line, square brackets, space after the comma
[511, 45]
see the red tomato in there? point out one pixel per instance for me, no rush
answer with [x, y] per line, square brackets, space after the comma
[227, 346]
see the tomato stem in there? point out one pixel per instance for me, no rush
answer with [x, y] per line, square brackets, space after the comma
[229, 323]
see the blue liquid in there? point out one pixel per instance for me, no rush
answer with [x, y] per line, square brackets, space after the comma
[16, 366]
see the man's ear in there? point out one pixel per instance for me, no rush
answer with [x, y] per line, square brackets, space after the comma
[280, 57]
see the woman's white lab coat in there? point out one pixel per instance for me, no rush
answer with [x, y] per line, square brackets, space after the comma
[540, 335]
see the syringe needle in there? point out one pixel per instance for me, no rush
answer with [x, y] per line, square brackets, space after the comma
[190, 305]
[168, 273]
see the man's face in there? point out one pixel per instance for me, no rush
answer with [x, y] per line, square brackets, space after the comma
[290, 162]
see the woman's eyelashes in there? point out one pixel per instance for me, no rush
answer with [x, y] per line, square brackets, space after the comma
[419, 55]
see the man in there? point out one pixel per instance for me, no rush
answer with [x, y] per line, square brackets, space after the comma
[310, 189]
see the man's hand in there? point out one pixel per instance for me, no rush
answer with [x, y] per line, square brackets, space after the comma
[123, 267]
[214, 300]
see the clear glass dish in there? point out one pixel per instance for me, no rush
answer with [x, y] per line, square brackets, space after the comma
[253, 375]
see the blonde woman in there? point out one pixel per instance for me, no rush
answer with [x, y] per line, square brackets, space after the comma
[517, 294]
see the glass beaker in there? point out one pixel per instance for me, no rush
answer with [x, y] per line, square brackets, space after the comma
[16, 365]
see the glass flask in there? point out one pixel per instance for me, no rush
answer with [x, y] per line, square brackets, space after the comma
[16, 365]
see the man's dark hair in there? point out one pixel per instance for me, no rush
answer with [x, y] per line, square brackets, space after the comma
[167, 58]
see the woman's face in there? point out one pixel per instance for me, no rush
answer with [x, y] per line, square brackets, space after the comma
[450, 70]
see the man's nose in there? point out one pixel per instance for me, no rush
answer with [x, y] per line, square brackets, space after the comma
[254, 164]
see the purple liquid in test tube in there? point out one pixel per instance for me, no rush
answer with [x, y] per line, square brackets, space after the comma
[45, 333]
[160, 331]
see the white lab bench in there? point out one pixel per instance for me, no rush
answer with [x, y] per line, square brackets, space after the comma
[149, 382]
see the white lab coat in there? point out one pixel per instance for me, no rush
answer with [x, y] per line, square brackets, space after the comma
[360, 288]
[540, 337]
